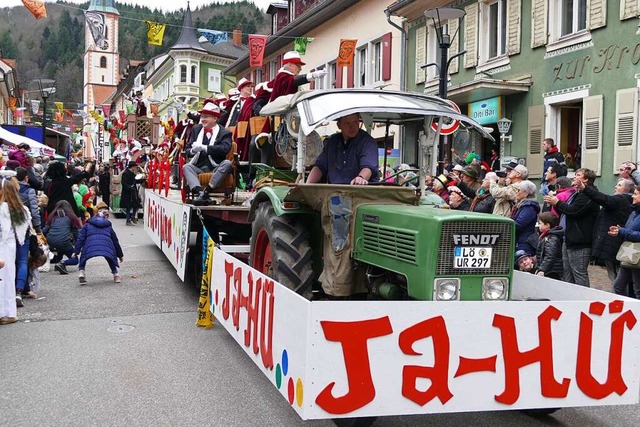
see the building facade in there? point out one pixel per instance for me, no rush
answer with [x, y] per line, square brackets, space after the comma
[561, 69]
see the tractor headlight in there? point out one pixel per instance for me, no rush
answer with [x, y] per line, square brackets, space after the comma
[446, 289]
[495, 288]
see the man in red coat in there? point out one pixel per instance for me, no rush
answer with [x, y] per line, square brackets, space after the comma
[289, 78]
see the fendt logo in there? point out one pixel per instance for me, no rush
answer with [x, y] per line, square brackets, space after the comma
[475, 239]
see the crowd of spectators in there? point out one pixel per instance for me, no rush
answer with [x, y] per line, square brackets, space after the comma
[43, 206]
[561, 227]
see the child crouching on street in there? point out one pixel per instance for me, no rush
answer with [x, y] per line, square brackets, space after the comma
[98, 239]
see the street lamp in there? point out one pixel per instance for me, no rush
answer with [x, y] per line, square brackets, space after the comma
[439, 16]
[46, 87]
[504, 125]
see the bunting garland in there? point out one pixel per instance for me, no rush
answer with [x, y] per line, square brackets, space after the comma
[36, 7]
[300, 44]
[346, 52]
[35, 106]
[257, 44]
[214, 36]
[155, 33]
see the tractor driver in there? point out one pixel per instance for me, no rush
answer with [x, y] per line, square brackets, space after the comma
[348, 157]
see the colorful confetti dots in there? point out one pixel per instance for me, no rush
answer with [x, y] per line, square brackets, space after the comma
[278, 376]
[285, 362]
[290, 389]
[299, 392]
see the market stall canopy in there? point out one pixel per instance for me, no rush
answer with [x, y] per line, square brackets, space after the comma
[37, 148]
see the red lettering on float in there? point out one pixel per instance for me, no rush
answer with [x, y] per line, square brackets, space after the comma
[266, 324]
[467, 365]
[353, 336]
[436, 329]
[228, 274]
[236, 303]
[252, 307]
[514, 359]
[584, 378]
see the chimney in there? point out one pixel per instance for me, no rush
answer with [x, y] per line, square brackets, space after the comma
[237, 37]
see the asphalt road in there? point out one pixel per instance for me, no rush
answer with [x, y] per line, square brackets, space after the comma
[109, 354]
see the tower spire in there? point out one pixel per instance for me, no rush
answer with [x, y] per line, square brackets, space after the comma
[188, 38]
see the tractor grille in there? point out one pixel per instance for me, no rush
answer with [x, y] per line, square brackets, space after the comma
[390, 242]
[500, 257]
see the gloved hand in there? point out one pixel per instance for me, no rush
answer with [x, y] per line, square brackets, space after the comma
[318, 74]
[197, 149]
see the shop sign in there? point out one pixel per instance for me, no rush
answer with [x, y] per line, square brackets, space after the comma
[486, 111]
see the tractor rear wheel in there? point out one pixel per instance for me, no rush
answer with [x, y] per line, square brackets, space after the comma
[280, 249]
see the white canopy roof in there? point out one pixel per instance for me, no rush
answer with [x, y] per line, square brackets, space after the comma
[37, 148]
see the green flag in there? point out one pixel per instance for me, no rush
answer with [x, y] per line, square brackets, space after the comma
[300, 44]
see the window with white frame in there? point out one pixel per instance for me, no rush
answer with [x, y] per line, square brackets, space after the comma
[433, 50]
[273, 69]
[259, 78]
[376, 61]
[361, 67]
[183, 74]
[214, 80]
[573, 16]
[493, 24]
[194, 69]
[332, 74]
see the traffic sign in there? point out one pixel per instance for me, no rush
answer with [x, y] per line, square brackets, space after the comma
[448, 127]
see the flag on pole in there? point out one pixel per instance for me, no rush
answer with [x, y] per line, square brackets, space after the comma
[214, 36]
[36, 7]
[300, 44]
[257, 44]
[59, 106]
[106, 109]
[155, 33]
[205, 316]
[35, 106]
[346, 52]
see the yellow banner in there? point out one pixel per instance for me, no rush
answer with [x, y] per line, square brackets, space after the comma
[205, 318]
[155, 33]
[59, 106]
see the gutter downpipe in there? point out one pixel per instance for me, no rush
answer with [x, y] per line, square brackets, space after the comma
[403, 44]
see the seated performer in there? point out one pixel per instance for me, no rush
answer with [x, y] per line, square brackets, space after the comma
[209, 145]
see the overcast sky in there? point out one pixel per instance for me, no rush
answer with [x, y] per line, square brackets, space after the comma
[166, 5]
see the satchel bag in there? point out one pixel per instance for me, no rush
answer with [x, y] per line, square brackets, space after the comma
[629, 255]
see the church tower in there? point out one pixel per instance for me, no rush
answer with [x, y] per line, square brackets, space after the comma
[101, 55]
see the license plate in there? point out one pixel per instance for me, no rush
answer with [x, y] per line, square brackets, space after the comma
[472, 257]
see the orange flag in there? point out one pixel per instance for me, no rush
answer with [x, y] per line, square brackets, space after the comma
[154, 109]
[13, 103]
[346, 52]
[36, 7]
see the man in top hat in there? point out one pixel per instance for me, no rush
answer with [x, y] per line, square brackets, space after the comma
[245, 86]
[289, 79]
[209, 145]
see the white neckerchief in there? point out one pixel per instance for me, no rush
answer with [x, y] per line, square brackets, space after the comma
[199, 141]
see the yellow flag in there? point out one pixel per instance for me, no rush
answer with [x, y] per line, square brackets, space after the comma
[59, 106]
[205, 317]
[155, 33]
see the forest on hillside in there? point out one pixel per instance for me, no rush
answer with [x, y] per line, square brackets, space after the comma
[53, 47]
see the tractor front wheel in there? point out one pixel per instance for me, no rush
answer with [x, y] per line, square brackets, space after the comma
[280, 249]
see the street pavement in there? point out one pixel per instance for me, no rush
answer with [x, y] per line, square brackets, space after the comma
[129, 354]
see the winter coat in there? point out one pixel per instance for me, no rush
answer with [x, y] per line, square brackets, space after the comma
[130, 198]
[463, 206]
[20, 156]
[61, 189]
[29, 199]
[505, 198]
[60, 233]
[525, 214]
[631, 230]
[216, 152]
[97, 239]
[580, 215]
[615, 210]
[483, 202]
[563, 194]
[549, 252]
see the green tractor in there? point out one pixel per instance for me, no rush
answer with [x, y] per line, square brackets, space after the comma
[400, 244]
